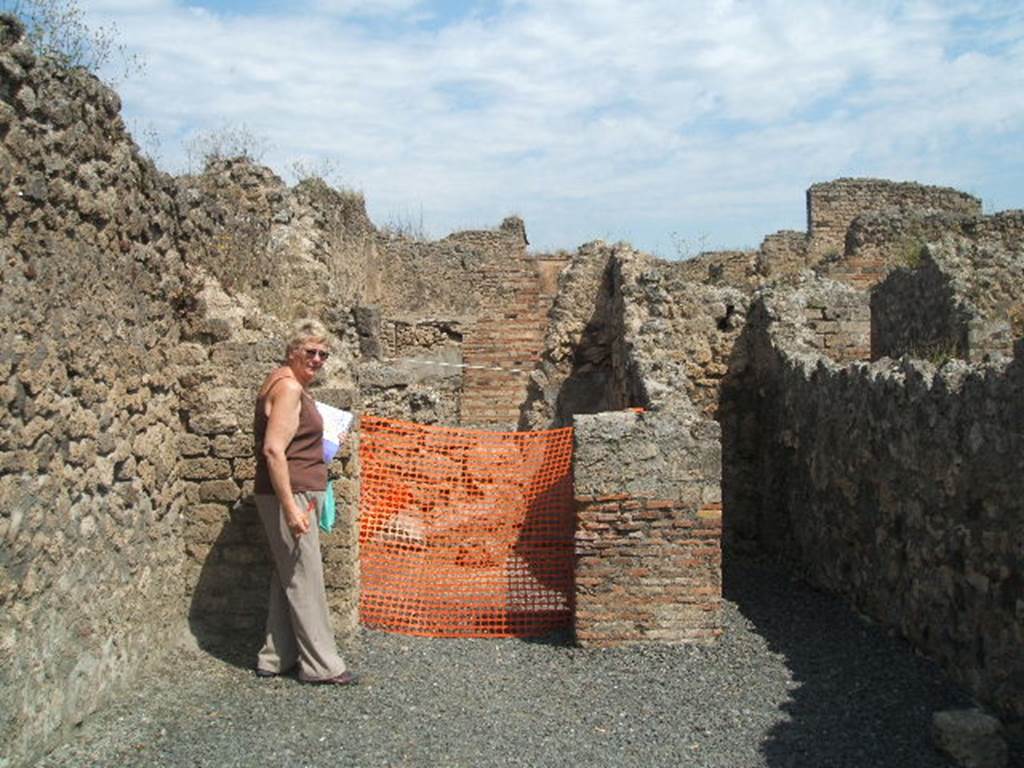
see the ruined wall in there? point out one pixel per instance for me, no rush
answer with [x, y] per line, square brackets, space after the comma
[648, 484]
[296, 251]
[574, 374]
[916, 312]
[898, 486]
[432, 276]
[960, 297]
[91, 288]
[410, 367]
[678, 333]
[826, 319]
[737, 269]
[785, 252]
[832, 206]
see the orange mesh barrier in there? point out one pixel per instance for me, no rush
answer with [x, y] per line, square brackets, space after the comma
[465, 533]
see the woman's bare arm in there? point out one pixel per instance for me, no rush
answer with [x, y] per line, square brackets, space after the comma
[284, 403]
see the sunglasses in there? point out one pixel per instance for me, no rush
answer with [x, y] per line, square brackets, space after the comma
[323, 354]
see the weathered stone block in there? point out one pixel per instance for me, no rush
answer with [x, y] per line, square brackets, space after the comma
[205, 469]
[213, 423]
[970, 738]
[219, 490]
[193, 445]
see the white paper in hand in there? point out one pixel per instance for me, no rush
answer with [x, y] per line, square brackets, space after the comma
[337, 423]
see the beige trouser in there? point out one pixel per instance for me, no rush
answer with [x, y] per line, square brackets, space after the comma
[298, 625]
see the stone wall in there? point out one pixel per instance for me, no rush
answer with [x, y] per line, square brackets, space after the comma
[898, 486]
[916, 312]
[296, 251]
[832, 206]
[960, 296]
[648, 483]
[783, 253]
[92, 286]
[679, 334]
[574, 374]
[230, 347]
[410, 367]
[139, 314]
[737, 269]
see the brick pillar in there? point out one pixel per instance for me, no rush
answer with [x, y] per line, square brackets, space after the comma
[648, 534]
[504, 344]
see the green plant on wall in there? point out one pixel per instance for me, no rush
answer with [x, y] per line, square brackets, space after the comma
[938, 352]
[911, 253]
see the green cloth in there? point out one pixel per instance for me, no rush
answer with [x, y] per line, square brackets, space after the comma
[328, 510]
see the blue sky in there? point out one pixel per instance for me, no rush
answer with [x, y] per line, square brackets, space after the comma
[666, 123]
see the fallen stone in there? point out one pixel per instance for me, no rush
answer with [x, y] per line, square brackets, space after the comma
[970, 738]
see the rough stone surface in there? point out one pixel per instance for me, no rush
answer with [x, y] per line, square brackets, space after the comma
[896, 484]
[92, 286]
[970, 738]
[961, 297]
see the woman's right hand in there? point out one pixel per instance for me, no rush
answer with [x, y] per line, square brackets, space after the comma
[298, 521]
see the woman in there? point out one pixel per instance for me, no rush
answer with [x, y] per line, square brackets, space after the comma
[291, 479]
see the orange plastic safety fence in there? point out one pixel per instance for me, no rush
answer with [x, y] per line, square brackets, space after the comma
[465, 533]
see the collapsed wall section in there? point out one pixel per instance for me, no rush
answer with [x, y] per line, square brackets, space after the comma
[92, 286]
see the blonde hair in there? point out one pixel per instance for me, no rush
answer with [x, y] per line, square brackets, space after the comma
[304, 331]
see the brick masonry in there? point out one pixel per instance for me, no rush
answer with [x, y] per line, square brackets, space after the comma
[647, 570]
[648, 533]
[505, 344]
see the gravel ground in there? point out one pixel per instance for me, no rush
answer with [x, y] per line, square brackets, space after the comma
[796, 680]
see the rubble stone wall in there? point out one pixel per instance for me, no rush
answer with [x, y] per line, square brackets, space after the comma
[678, 334]
[92, 287]
[915, 312]
[897, 485]
[297, 251]
[783, 253]
[960, 296]
[738, 269]
[230, 347]
[574, 373]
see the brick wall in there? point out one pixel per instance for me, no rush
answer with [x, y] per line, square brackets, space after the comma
[831, 206]
[504, 345]
[648, 535]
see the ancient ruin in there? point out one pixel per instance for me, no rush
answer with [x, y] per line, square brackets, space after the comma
[848, 399]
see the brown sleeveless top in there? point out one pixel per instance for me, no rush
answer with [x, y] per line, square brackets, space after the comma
[305, 453]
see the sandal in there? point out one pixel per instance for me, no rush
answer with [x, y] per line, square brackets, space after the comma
[345, 678]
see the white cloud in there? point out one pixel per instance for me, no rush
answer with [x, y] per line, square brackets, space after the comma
[596, 117]
[366, 7]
